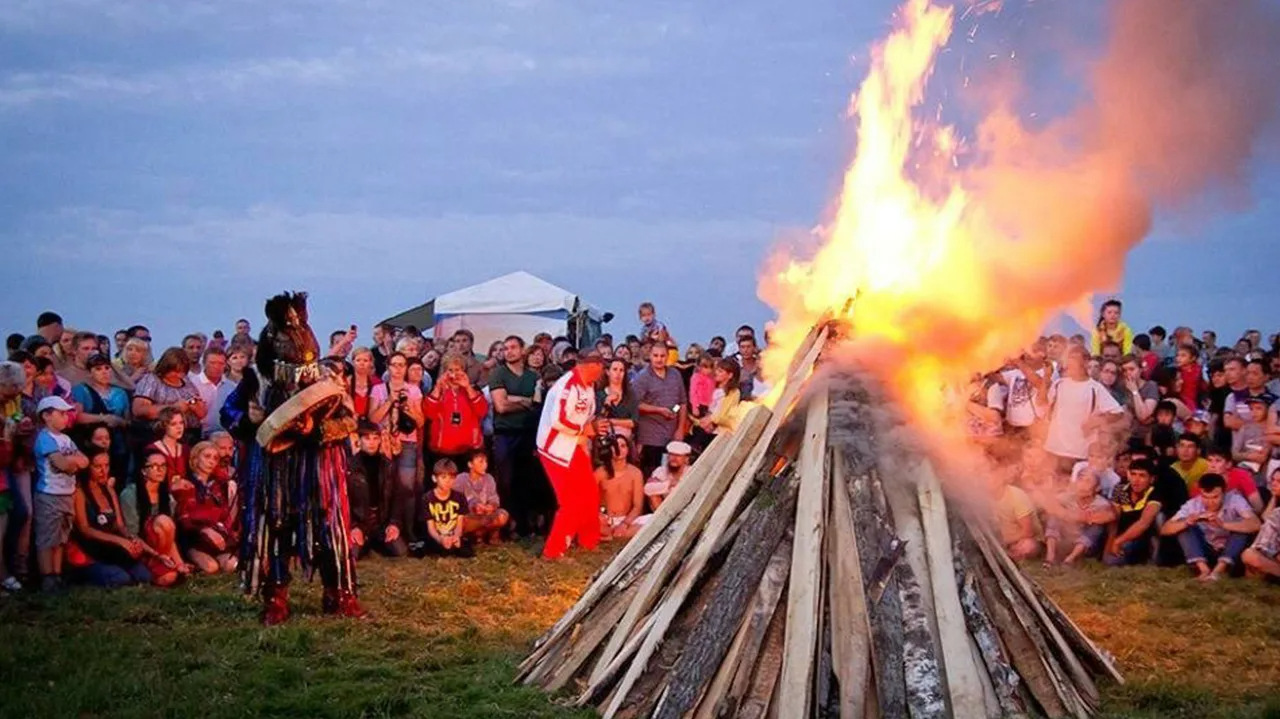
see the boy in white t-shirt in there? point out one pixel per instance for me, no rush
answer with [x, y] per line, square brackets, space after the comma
[57, 461]
[1079, 410]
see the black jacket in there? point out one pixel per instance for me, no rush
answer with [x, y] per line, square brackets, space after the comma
[370, 485]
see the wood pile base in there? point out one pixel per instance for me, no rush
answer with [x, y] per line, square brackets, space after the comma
[808, 568]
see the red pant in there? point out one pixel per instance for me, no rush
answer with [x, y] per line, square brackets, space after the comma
[579, 499]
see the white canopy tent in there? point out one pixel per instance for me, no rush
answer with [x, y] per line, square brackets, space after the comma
[514, 304]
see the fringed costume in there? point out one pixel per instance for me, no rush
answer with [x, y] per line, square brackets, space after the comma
[294, 484]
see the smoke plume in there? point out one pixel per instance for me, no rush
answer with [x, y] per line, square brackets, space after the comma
[955, 274]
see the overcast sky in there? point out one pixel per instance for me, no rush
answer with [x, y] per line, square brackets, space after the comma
[174, 162]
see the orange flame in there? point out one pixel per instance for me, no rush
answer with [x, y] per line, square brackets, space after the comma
[957, 267]
[925, 294]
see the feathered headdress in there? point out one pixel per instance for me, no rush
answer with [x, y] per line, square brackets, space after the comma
[285, 338]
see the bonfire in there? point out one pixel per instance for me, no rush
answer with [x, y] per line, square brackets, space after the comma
[816, 562]
[812, 564]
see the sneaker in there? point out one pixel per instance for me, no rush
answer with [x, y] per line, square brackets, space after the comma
[11, 585]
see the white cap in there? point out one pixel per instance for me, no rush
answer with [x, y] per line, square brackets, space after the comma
[57, 403]
[679, 448]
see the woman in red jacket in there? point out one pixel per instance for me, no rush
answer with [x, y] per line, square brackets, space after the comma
[455, 412]
[205, 514]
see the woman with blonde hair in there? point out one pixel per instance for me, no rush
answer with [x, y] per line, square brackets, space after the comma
[134, 360]
[363, 379]
[205, 514]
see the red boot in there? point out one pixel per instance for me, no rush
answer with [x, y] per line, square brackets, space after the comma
[350, 606]
[275, 606]
[342, 604]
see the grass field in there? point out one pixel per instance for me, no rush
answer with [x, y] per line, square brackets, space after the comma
[447, 634]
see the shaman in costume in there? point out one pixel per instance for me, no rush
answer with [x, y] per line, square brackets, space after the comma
[294, 493]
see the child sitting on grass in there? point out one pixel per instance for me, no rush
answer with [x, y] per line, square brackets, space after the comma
[1078, 517]
[446, 513]
[1101, 463]
[485, 519]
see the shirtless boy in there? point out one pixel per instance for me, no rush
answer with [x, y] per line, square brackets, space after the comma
[621, 494]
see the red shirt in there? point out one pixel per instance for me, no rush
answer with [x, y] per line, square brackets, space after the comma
[456, 424]
[1149, 363]
[361, 401]
[201, 505]
[1238, 480]
[1193, 385]
[177, 462]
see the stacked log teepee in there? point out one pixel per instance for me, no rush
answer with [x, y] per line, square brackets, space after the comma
[807, 567]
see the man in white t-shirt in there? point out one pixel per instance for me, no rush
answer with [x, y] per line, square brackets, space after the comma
[1078, 409]
[667, 476]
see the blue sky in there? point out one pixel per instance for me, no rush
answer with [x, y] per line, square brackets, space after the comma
[174, 162]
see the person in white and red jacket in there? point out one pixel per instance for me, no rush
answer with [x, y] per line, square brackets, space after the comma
[564, 435]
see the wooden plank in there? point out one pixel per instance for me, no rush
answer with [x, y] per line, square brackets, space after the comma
[851, 634]
[715, 527]
[1098, 659]
[770, 515]
[726, 690]
[1034, 630]
[655, 680]
[592, 693]
[981, 624]
[926, 683]
[668, 511]
[963, 681]
[585, 642]
[714, 484]
[854, 436]
[1083, 680]
[795, 692]
[764, 677]
[1023, 653]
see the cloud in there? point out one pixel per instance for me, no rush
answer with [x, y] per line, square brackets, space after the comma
[395, 70]
[269, 240]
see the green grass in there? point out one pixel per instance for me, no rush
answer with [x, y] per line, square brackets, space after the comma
[1186, 649]
[447, 634]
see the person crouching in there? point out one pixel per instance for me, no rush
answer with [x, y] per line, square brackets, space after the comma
[446, 513]
[371, 490]
[485, 519]
[1214, 528]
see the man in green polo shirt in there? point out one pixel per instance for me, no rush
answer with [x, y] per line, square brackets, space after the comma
[512, 389]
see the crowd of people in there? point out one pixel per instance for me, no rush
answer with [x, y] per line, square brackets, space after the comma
[1136, 448]
[120, 467]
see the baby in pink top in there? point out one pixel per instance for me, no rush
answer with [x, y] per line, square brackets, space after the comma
[702, 386]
